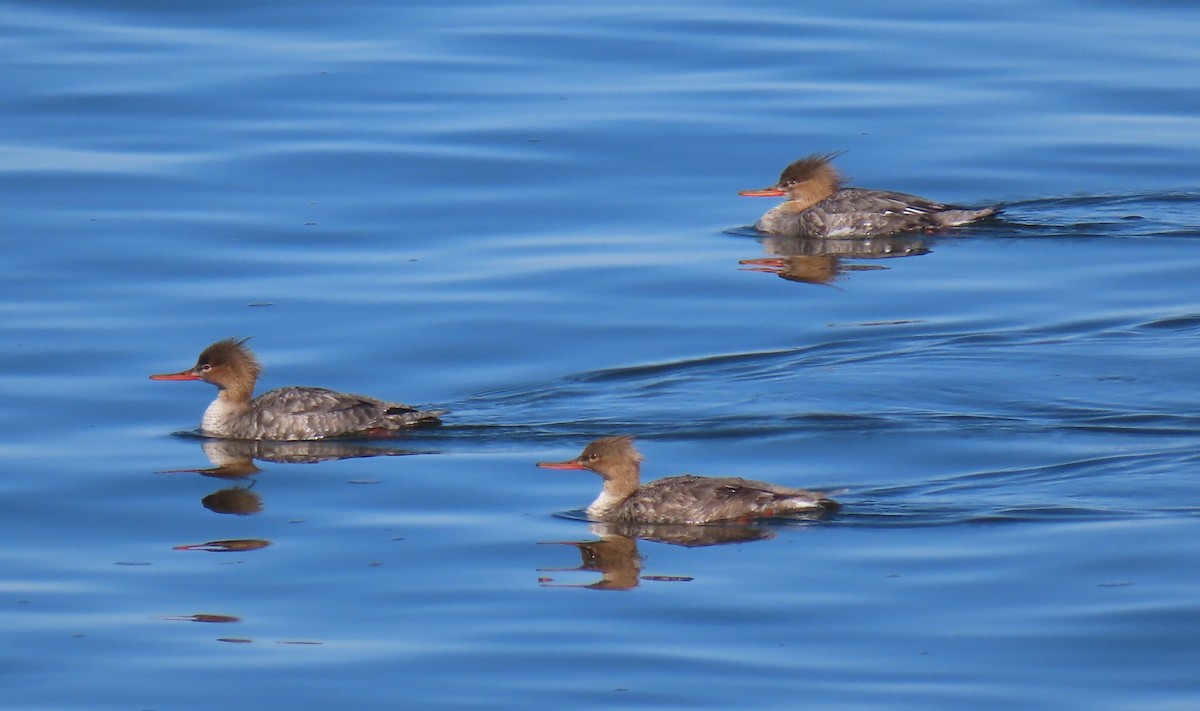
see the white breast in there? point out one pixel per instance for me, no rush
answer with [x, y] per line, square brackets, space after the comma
[219, 418]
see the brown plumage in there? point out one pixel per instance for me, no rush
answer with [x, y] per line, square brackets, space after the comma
[818, 206]
[291, 413]
[680, 499]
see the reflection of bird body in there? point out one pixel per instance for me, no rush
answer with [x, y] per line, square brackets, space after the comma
[680, 499]
[614, 556]
[819, 261]
[818, 206]
[224, 452]
[235, 458]
[876, 247]
[688, 536]
[291, 413]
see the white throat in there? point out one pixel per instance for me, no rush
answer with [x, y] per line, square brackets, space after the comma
[604, 505]
[219, 417]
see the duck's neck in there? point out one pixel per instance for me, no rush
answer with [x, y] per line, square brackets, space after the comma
[238, 393]
[231, 407]
[620, 482]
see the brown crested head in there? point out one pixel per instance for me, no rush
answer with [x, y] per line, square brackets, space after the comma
[606, 456]
[228, 364]
[804, 183]
[226, 360]
[610, 451]
[816, 170]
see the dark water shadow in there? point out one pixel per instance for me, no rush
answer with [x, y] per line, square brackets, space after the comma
[1128, 215]
[1106, 487]
[587, 404]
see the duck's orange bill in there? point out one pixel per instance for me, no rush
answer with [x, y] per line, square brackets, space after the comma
[573, 464]
[762, 192]
[185, 375]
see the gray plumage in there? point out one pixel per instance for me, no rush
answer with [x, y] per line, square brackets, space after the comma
[683, 499]
[818, 206]
[291, 413]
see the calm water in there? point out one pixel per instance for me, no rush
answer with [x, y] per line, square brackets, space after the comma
[527, 213]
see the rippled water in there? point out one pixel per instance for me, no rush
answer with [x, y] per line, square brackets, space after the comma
[527, 213]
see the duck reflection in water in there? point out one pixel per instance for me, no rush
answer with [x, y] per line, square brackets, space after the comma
[690, 511]
[615, 554]
[235, 545]
[811, 260]
[235, 459]
[235, 500]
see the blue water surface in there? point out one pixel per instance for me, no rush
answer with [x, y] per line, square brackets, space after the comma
[526, 213]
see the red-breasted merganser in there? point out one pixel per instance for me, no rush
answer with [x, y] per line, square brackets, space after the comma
[680, 499]
[287, 413]
[818, 206]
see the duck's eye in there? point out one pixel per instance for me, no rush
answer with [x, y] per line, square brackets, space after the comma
[205, 368]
